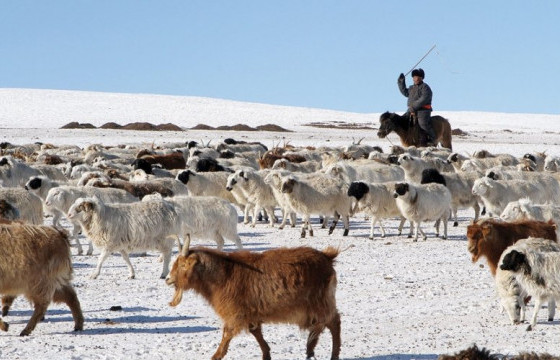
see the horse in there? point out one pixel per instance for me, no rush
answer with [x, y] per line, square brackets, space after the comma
[410, 134]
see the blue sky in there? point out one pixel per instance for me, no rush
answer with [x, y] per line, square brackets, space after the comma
[496, 56]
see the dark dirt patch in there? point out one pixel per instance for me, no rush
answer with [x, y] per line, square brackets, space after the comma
[111, 125]
[237, 127]
[202, 127]
[77, 125]
[459, 132]
[168, 127]
[340, 125]
[272, 127]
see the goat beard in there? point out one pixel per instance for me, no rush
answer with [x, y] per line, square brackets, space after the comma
[177, 297]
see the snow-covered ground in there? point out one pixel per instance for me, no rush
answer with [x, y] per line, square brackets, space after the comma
[398, 299]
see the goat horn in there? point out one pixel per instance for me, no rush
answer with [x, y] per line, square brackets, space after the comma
[186, 245]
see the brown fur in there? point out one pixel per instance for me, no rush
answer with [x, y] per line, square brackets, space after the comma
[472, 353]
[169, 161]
[35, 261]
[267, 160]
[490, 237]
[7, 211]
[138, 189]
[410, 135]
[247, 289]
[53, 160]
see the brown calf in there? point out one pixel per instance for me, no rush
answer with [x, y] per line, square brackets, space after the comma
[247, 289]
[35, 261]
[490, 237]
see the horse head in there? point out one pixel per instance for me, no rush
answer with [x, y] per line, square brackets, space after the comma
[387, 125]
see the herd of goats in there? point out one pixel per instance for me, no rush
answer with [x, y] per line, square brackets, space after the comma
[127, 199]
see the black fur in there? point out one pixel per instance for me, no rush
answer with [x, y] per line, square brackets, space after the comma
[184, 176]
[530, 157]
[208, 164]
[492, 175]
[393, 159]
[432, 176]
[358, 190]
[3, 161]
[400, 189]
[227, 154]
[513, 261]
[34, 183]
[231, 141]
[142, 164]
[191, 144]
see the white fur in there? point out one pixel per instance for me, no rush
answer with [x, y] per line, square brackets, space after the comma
[126, 228]
[208, 184]
[379, 203]
[29, 205]
[526, 209]
[496, 194]
[364, 170]
[318, 194]
[543, 257]
[204, 217]
[425, 202]
[61, 198]
[259, 194]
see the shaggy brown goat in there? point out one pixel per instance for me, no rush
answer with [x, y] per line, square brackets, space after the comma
[248, 289]
[268, 158]
[169, 161]
[490, 237]
[35, 261]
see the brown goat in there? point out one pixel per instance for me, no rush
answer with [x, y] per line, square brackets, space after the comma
[247, 289]
[268, 158]
[168, 161]
[490, 237]
[35, 261]
[136, 188]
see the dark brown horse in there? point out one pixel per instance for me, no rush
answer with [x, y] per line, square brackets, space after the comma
[410, 134]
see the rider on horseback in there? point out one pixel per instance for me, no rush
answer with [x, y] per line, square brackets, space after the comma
[419, 105]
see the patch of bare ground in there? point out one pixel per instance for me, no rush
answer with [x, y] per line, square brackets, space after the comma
[242, 127]
[77, 125]
[140, 126]
[459, 132]
[340, 125]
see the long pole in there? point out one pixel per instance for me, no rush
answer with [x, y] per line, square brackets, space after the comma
[419, 61]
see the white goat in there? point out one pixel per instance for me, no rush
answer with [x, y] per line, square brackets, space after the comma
[258, 193]
[125, 228]
[377, 201]
[29, 206]
[526, 209]
[364, 170]
[511, 293]
[537, 270]
[320, 194]
[274, 180]
[204, 217]
[61, 198]
[424, 202]
[206, 184]
[497, 194]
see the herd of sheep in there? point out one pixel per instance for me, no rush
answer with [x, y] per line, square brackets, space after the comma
[127, 200]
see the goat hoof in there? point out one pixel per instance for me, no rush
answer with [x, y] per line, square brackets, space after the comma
[4, 326]
[311, 233]
[550, 319]
[455, 223]
[345, 232]
[529, 328]
[303, 235]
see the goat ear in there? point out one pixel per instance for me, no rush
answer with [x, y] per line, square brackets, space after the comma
[88, 206]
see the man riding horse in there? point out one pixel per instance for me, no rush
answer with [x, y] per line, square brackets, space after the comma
[419, 105]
